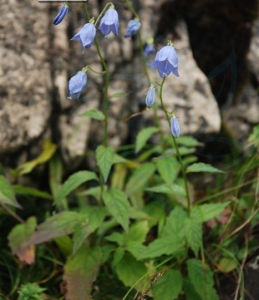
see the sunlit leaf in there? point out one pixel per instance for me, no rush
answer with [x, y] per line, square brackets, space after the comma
[143, 137]
[94, 114]
[202, 167]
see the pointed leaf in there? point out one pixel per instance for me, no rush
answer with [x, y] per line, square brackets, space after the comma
[94, 114]
[7, 195]
[143, 136]
[193, 234]
[118, 206]
[104, 157]
[168, 168]
[205, 212]
[202, 167]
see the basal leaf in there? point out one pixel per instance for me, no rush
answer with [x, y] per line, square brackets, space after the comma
[168, 286]
[80, 272]
[202, 167]
[143, 136]
[118, 206]
[104, 157]
[18, 237]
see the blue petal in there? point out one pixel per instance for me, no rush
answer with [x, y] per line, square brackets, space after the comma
[132, 28]
[61, 15]
[105, 29]
[87, 34]
[149, 49]
[77, 83]
[175, 127]
[109, 22]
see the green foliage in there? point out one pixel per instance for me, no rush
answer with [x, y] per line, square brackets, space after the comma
[201, 167]
[143, 137]
[31, 291]
[94, 114]
[104, 157]
[7, 195]
[168, 286]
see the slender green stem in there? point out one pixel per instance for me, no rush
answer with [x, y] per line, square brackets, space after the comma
[176, 146]
[102, 12]
[106, 75]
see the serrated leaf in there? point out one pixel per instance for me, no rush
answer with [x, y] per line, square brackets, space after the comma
[73, 182]
[48, 151]
[201, 278]
[61, 224]
[205, 212]
[80, 272]
[168, 168]
[104, 157]
[202, 167]
[94, 114]
[139, 178]
[169, 286]
[118, 206]
[129, 270]
[162, 246]
[193, 234]
[7, 195]
[143, 137]
[18, 237]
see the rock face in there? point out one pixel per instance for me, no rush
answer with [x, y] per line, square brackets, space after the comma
[37, 59]
[24, 73]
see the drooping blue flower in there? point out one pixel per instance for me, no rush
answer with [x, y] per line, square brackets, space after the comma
[86, 35]
[150, 97]
[76, 84]
[149, 49]
[61, 14]
[110, 22]
[166, 61]
[175, 127]
[132, 28]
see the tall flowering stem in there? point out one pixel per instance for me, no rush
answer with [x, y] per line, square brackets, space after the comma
[175, 145]
[106, 74]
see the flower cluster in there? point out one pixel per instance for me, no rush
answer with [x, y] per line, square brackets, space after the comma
[166, 59]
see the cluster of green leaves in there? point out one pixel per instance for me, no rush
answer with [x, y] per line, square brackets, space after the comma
[130, 217]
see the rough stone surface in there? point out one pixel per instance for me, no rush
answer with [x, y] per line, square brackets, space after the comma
[25, 101]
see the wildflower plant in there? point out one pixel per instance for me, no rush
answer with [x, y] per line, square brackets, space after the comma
[133, 217]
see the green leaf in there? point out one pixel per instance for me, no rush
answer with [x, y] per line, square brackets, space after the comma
[201, 278]
[168, 168]
[94, 114]
[104, 157]
[72, 183]
[140, 178]
[167, 245]
[90, 218]
[188, 141]
[202, 167]
[117, 256]
[175, 223]
[118, 206]
[189, 291]
[137, 232]
[169, 286]
[254, 137]
[170, 189]
[7, 195]
[61, 224]
[193, 234]
[205, 212]
[55, 174]
[20, 234]
[81, 271]
[28, 191]
[143, 136]
[227, 264]
[129, 270]
[48, 151]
